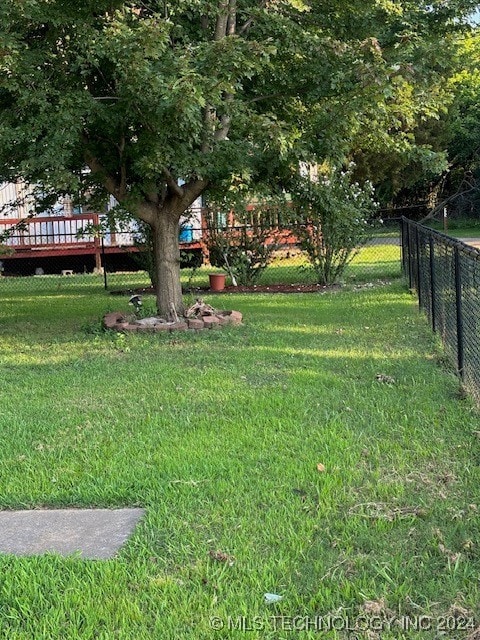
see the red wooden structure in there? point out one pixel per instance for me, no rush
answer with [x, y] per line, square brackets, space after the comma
[63, 236]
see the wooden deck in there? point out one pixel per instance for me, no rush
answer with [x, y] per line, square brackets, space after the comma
[30, 240]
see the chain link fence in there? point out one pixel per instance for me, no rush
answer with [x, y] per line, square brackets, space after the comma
[446, 276]
[56, 254]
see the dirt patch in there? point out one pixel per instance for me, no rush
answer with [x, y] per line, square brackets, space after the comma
[279, 288]
[258, 288]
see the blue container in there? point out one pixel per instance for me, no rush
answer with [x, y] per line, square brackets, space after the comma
[186, 233]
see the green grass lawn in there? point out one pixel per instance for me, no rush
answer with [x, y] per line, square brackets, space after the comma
[218, 435]
[374, 262]
[458, 228]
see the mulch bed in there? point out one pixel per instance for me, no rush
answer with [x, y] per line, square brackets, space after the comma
[271, 288]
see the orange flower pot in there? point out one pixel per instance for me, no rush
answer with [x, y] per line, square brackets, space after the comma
[217, 281]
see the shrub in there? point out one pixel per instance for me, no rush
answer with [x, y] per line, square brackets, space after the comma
[331, 217]
[6, 250]
[240, 243]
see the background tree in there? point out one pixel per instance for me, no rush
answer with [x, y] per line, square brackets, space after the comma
[407, 164]
[162, 100]
[460, 187]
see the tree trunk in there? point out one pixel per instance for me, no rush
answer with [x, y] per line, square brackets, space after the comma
[162, 215]
[167, 264]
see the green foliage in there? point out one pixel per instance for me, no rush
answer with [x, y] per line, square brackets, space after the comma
[464, 120]
[331, 218]
[6, 250]
[222, 94]
[462, 127]
[404, 150]
[241, 242]
[141, 87]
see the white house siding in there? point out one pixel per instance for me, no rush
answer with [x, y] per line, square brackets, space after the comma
[41, 232]
[15, 200]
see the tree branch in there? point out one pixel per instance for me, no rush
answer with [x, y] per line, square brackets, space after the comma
[147, 212]
[117, 190]
[246, 26]
[225, 121]
[192, 190]
[150, 193]
[123, 168]
[232, 18]
[440, 207]
[222, 21]
[172, 183]
[204, 22]
[208, 118]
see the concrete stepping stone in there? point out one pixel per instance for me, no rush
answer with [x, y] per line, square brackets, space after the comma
[95, 534]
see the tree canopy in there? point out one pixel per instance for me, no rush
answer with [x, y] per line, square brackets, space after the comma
[460, 184]
[162, 100]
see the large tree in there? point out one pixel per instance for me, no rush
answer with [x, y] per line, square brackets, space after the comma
[460, 187]
[162, 100]
[409, 162]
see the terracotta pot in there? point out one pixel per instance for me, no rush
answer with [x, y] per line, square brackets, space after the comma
[217, 281]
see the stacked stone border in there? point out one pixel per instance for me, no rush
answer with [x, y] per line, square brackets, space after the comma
[117, 321]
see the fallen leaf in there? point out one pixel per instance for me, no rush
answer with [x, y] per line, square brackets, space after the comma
[221, 556]
[452, 557]
[320, 467]
[374, 607]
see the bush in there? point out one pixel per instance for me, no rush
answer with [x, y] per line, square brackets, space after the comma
[6, 250]
[331, 217]
[240, 244]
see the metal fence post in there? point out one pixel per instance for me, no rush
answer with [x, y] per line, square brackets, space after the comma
[402, 245]
[105, 277]
[419, 271]
[433, 288]
[458, 303]
[409, 255]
